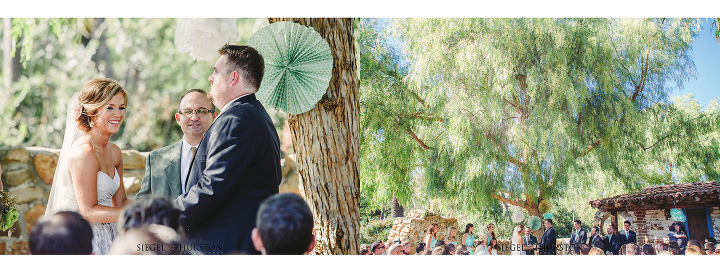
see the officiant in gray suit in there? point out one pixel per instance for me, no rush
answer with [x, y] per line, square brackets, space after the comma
[167, 168]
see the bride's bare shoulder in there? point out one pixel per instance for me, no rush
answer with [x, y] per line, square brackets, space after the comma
[82, 152]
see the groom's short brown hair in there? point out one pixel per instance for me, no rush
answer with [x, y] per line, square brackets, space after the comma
[247, 61]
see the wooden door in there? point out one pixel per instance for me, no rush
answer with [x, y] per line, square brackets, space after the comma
[697, 224]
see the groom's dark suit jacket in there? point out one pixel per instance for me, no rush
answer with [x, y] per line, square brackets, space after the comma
[548, 243]
[236, 167]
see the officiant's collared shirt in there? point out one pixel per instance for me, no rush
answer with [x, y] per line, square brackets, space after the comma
[185, 160]
[228, 104]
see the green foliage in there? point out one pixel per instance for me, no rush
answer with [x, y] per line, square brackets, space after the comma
[373, 230]
[8, 212]
[472, 111]
[60, 55]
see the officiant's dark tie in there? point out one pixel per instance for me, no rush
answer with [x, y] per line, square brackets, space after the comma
[192, 160]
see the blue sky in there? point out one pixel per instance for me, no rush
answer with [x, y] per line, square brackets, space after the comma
[706, 55]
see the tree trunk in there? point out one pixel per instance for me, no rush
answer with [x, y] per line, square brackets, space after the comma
[11, 69]
[326, 140]
[397, 209]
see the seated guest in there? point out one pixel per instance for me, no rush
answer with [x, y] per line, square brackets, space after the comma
[664, 252]
[596, 251]
[441, 250]
[395, 249]
[377, 248]
[463, 253]
[710, 240]
[584, 249]
[407, 247]
[429, 251]
[717, 249]
[695, 243]
[149, 210]
[152, 239]
[364, 251]
[612, 241]
[462, 248]
[420, 248]
[64, 233]
[694, 250]
[452, 248]
[284, 226]
[675, 251]
[631, 249]
[709, 247]
[647, 249]
[481, 250]
[662, 247]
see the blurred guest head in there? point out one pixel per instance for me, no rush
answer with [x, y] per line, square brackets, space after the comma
[64, 233]
[396, 249]
[647, 249]
[149, 210]
[152, 239]
[284, 226]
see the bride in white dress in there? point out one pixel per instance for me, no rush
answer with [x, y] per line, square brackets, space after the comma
[516, 241]
[89, 172]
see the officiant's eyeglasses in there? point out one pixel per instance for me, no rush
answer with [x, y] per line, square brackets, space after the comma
[202, 111]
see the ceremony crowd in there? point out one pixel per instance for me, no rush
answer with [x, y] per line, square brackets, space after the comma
[524, 243]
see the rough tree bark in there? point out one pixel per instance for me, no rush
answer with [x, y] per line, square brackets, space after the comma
[326, 141]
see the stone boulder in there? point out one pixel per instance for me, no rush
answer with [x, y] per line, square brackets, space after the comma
[132, 180]
[27, 194]
[133, 159]
[33, 215]
[413, 227]
[17, 154]
[17, 176]
[19, 248]
[45, 164]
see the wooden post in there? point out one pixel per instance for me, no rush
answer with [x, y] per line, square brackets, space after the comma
[613, 219]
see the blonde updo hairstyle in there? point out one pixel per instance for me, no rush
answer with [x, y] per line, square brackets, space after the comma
[93, 96]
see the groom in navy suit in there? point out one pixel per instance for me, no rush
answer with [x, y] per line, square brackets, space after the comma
[237, 164]
[548, 243]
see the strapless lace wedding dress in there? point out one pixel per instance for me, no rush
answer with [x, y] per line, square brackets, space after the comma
[104, 233]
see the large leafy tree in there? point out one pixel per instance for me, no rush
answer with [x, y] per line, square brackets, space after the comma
[520, 110]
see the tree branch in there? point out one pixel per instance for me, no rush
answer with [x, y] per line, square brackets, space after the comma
[419, 141]
[508, 201]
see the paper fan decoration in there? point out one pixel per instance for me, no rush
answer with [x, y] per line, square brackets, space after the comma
[544, 206]
[517, 216]
[298, 66]
[677, 215]
[534, 222]
[203, 37]
[547, 216]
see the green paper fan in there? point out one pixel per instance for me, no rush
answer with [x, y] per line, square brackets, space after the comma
[534, 222]
[547, 216]
[298, 66]
[677, 215]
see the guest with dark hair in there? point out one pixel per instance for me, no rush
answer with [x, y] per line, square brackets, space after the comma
[585, 249]
[451, 247]
[364, 251]
[441, 250]
[679, 235]
[695, 243]
[419, 248]
[378, 248]
[407, 247]
[709, 248]
[577, 237]
[627, 235]
[612, 241]
[284, 226]
[64, 233]
[647, 249]
[148, 210]
[431, 236]
[548, 242]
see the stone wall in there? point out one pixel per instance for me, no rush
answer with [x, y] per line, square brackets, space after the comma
[27, 175]
[413, 227]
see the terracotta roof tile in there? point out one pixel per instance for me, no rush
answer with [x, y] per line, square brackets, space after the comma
[664, 191]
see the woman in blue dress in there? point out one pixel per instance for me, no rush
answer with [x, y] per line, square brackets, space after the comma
[431, 237]
[467, 238]
[450, 237]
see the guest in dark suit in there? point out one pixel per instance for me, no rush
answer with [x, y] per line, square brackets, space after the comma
[166, 168]
[612, 241]
[627, 235]
[529, 242]
[548, 242]
[578, 237]
[237, 164]
[595, 240]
